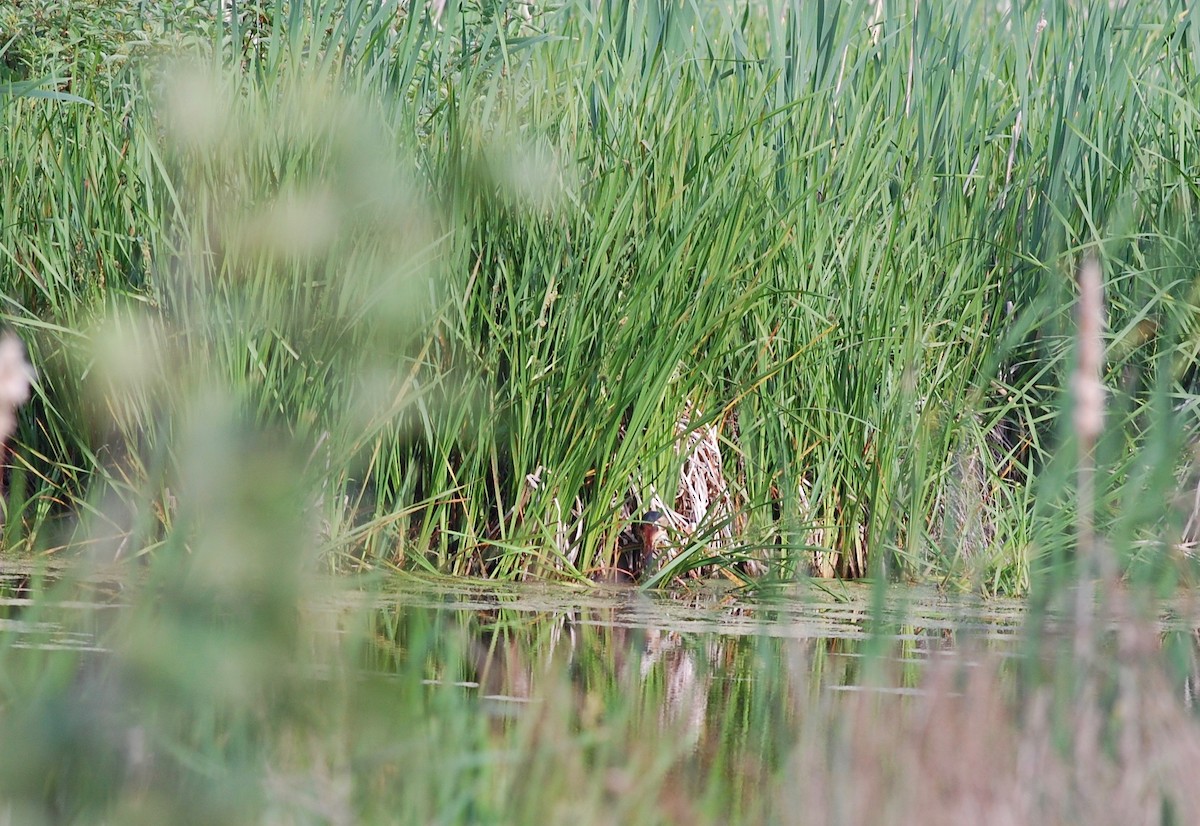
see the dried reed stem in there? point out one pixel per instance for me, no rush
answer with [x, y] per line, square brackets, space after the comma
[1088, 421]
[16, 377]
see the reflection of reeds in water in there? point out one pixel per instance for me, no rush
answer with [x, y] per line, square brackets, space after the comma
[633, 726]
[968, 750]
[553, 715]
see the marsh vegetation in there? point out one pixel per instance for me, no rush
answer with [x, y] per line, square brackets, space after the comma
[400, 289]
[497, 270]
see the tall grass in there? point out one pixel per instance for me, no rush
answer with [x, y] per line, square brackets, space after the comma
[480, 261]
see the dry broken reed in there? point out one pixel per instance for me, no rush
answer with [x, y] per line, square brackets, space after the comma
[16, 376]
[1088, 421]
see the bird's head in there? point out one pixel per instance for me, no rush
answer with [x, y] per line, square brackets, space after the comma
[652, 531]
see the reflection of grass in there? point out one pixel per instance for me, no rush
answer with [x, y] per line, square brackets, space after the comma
[206, 709]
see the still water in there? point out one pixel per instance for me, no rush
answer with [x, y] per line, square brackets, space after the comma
[497, 638]
[514, 631]
[695, 652]
[183, 692]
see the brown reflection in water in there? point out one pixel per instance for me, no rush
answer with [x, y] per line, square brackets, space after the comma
[515, 661]
[604, 656]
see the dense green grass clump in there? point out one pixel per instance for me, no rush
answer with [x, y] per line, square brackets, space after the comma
[483, 263]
